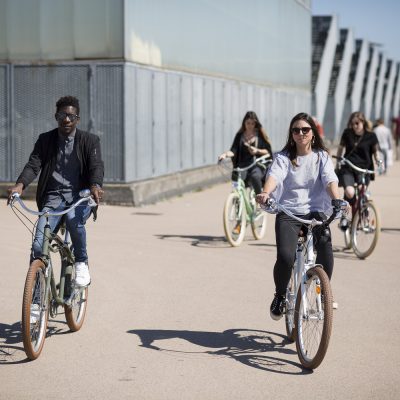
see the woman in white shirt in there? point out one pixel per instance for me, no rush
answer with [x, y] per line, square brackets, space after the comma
[302, 179]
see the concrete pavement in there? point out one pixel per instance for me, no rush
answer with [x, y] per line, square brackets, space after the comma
[175, 313]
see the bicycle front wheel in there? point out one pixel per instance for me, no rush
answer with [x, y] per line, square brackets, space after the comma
[75, 309]
[259, 224]
[347, 238]
[234, 219]
[290, 307]
[35, 310]
[314, 316]
[365, 230]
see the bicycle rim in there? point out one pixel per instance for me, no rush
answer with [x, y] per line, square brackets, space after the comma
[259, 224]
[234, 220]
[75, 311]
[35, 310]
[290, 306]
[314, 326]
[365, 230]
[347, 238]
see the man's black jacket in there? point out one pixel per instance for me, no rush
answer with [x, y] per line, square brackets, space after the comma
[44, 156]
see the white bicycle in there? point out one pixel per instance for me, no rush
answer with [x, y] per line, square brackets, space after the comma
[308, 308]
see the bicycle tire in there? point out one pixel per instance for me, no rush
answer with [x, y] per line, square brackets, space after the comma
[365, 230]
[34, 327]
[313, 331]
[76, 311]
[290, 308]
[259, 224]
[234, 216]
[347, 238]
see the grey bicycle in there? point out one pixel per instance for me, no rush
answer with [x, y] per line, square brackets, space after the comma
[42, 295]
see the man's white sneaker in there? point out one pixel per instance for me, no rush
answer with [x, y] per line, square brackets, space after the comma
[82, 276]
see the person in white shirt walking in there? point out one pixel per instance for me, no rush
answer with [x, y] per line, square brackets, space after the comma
[385, 142]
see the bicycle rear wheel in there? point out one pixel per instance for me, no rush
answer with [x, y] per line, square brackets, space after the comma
[290, 307]
[313, 316]
[365, 230]
[234, 219]
[75, 310]
[35, 310]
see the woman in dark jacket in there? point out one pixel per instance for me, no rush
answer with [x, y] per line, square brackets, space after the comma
[250, 142]
[360, 146]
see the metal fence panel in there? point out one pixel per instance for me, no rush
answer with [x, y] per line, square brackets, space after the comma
[144, 123]
[236, 112]
[108, 118]
[160, 166]
[208, 122]
[35, 92]
[174, 122]
[198, 119]
[129, 129]
[5, 159]
[187, 122]
[218, 118]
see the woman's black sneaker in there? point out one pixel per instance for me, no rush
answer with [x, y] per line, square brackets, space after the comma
[277, 307]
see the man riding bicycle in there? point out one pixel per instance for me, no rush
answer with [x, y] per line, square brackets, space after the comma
[68, 161]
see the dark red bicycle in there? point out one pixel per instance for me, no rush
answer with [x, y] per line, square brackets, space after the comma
[362, 233]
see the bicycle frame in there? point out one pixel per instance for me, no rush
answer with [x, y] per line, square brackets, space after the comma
[41, 294]
[240, 187]
[66, 265]
[360, 188]
[361, 195]
[305, 259]
[59, 245]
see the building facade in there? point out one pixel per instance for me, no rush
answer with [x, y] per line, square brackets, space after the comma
[348, 75]
[164, 84]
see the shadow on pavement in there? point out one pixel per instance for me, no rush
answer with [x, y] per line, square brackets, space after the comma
[10, 336]
[11, 348]
[390, 230]
[254, 348]
[199, 240]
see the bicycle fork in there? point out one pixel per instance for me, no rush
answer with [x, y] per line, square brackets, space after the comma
[309, 263]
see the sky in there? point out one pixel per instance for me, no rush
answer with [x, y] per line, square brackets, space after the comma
[375, 20]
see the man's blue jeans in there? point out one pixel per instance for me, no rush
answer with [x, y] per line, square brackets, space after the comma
[75, 223]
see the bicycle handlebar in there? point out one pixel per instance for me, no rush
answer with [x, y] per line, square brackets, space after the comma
[85, 194]
[343, 161]
[257, 160]
[272, 207]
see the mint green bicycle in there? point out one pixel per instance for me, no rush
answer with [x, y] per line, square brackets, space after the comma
[241, 209]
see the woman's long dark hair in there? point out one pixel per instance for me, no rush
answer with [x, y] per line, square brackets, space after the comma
[316, 143]
[361, 117]
[252, 115]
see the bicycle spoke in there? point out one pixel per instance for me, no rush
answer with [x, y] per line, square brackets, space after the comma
[314, 319]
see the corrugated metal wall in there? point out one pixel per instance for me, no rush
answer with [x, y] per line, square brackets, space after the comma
[151, 122]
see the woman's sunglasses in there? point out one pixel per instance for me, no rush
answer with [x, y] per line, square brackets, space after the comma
[303, 130]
